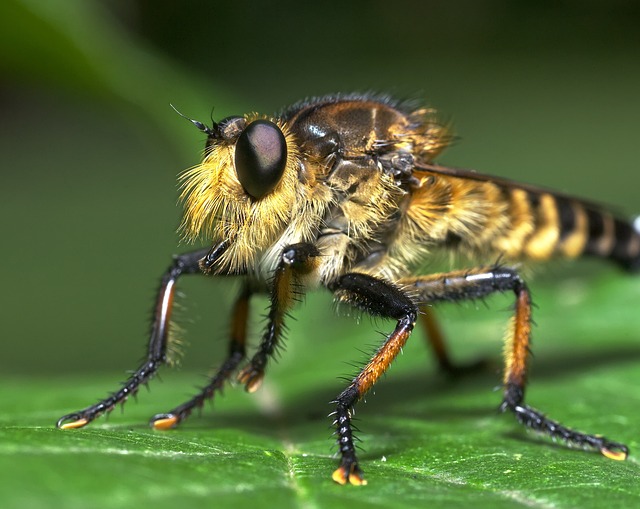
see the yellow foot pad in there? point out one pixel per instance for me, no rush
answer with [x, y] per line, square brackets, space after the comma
[78, 423]
[342, 476]
[614, 455]
[164, 421]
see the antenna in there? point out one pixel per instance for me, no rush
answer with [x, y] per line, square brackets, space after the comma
[209, 131]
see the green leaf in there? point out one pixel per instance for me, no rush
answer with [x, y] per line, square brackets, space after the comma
[425, 439]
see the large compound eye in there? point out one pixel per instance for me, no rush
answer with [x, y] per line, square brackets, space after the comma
[261, 156]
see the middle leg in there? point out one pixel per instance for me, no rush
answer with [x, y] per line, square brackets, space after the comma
[378, 298]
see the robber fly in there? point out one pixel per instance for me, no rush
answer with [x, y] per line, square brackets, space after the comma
[342, 192]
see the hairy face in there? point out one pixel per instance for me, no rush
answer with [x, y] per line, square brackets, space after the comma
[247, 190]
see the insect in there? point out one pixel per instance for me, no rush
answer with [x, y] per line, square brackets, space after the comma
[342, 192]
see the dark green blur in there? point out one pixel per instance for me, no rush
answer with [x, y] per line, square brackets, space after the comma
[545, 92]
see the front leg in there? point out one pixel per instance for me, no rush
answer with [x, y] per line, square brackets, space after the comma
[379, 298]
[296, 261]
[188, 263]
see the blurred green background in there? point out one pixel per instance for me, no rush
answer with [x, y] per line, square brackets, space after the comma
[544, 92]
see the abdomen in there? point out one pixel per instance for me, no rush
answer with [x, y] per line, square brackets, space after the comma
[505, 221]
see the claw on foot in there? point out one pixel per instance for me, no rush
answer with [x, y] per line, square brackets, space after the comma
[251, 378]
[352, 476]
[164, 421]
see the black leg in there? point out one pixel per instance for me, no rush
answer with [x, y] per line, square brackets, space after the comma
[296, 261]
[187, 263]
[477, 283]
[236, 354]
[380, 298]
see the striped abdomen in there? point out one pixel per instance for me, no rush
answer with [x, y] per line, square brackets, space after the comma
[498, 218]
[569, 227]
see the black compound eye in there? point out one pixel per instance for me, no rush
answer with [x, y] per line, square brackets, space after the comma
[261, 156]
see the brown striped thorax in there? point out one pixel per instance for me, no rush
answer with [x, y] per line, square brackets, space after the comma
[355, 176]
